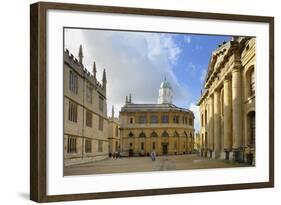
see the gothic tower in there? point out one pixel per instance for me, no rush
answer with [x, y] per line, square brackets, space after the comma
[80, 55]
[94, 70]
[104, 81]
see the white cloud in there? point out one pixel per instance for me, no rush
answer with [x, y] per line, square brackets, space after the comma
[191, 69]
[187, 39]
[203, 75]
[135, 63]
[195, 109]
[161, 44]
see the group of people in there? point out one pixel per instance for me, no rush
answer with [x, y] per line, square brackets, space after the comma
[114, 155]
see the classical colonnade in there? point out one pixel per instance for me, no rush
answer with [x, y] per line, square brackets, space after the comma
[221, 110]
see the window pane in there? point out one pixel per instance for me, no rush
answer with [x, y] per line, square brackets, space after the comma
[88, 119]
[100, 123]
[154, 119]
[100, 103]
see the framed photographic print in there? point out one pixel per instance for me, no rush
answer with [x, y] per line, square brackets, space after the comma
[135, 102]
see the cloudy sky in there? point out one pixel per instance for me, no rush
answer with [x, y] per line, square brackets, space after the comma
[137, 62]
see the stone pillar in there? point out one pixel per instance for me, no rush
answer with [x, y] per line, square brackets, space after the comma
[148, 144]
[217, 134]
[136, 146]
[159, 145]
[237, 112]
[227, 117]
[211, 125]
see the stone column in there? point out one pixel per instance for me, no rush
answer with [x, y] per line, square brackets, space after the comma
[237, 111]
[136, 145]
[211, 125]
[227, 117]
[159, 145]
[217, 134]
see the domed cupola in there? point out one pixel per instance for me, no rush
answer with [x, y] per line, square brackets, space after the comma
[165, 93]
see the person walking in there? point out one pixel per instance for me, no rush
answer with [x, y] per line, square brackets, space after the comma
[153, 155]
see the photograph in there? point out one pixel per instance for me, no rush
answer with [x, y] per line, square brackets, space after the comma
[149, 101]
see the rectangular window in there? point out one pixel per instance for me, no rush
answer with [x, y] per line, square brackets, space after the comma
[88, 119]
[100, 146]
[71, 145]
[142, 119]
[154, 119]
[73, 82]
[142, 146]
[253, 129]
[153, 145]
[100, 103]
[72, 112]
[88, 146]
[165, 119]
[100, 123]
[176, 119]
[190, 122]
[89, 93]
[205, 117]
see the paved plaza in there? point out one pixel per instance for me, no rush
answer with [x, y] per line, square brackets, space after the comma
[145, 164]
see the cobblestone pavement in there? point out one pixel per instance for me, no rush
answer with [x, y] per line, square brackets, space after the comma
[145, 164]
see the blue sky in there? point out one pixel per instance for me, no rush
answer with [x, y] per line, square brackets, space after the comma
[137, 62]
[192, 63]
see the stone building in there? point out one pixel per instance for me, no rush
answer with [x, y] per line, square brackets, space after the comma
[197, 142]
[85, 112]
[163, 127]
[227, 104]
[113, 134]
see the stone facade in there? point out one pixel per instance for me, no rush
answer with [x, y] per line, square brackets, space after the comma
[113, 134]
[197, 143]
[85, 112]
[227, 104]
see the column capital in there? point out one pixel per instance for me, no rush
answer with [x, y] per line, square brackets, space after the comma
[228, 77]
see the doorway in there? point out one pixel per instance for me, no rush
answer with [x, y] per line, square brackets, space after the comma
[131, 152]
[165, 148]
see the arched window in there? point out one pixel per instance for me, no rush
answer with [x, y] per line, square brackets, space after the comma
[202, 119]
[252, 86]
[165, 134]
[142, 134]
[131, 134]
[250, 82]
[153, 134]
